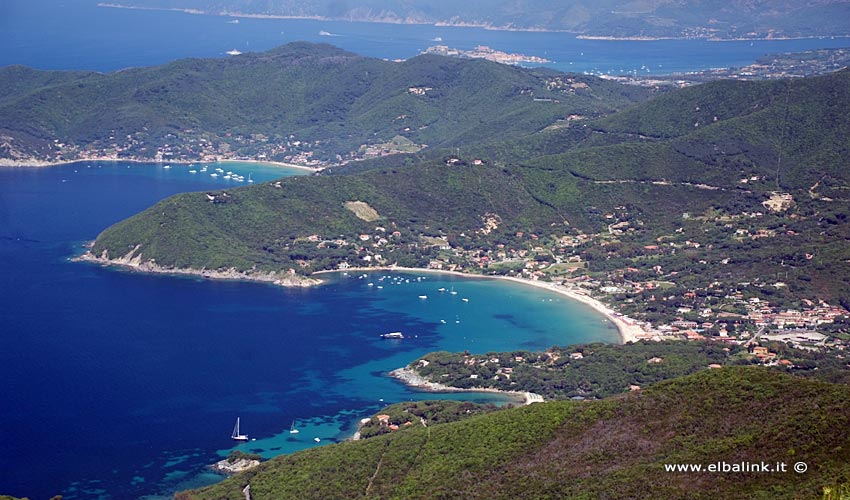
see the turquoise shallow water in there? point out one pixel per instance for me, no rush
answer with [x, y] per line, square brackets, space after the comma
[122, 385]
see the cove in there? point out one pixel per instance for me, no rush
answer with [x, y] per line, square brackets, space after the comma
[125, 385]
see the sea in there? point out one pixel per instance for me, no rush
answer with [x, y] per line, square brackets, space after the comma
[120, 385]
[78, 34]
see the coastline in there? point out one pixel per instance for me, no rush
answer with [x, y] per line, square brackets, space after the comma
[274, 163]
[628, 332]
[413, 379]
[9, 163]
[135, 264]
[449, 24]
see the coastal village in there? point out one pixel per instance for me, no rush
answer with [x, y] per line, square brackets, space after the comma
[646, 302]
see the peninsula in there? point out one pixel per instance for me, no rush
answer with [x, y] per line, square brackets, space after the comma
[609, 20]
[484, 52]
[659, 211]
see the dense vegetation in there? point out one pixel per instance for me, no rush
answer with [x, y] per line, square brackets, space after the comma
[603, 370]
[415, 413]
[621, 18]
[612, 448]
[299, 101]
[673, 169]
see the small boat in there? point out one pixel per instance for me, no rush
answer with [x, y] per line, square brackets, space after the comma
[392, 335]
[423, 297]
[213, 174]
[453, 292]
[441, 290]
[465, 299]
[236, 436]
[233, 52]
[292, 429]
[167, 167]
[193, 171]
[249, 177]
[316, 440]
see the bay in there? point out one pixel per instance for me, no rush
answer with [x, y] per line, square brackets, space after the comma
[121, 385]
[77, 34]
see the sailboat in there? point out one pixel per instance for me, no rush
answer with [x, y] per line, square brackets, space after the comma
[292, 429]
[236, 436]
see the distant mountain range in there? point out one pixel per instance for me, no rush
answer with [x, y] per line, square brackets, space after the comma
[717, 19]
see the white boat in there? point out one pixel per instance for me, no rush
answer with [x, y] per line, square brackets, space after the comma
[316, 440]
[236, 436]
[233, 52]
[292, 429]
[423, 297]
[392, 335]
[193, 171]
[213, 175]
[167, 167]
[465, 299]
[453, 292]
[249, 177]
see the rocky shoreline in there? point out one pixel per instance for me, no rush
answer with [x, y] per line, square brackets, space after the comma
[135, 263]
[229, 468]
[412, 379]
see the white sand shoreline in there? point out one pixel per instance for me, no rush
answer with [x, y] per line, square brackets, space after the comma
[628, 332]
[9, 163]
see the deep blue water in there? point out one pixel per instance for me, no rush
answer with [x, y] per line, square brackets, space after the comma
[117, 385]
[120, 385]
[76, 34]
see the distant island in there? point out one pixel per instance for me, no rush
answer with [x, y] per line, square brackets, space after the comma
[484, 52]
[604, 20]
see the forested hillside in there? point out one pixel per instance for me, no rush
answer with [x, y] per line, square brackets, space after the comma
[612, 448]
[303, 103]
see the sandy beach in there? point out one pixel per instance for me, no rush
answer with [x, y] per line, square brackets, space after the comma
[275, 163]
[9, 163]
[628, 332]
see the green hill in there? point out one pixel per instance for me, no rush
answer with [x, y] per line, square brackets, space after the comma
[649, 163]
[612, 448]
[298, 102]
